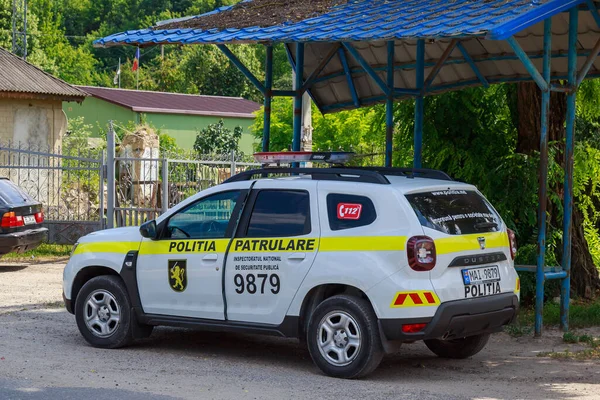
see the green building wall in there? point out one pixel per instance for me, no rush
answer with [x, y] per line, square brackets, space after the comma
[182, 127]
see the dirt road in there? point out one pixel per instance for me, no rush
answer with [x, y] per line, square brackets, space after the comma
[42, 356]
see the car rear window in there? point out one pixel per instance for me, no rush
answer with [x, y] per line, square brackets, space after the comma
[11, 194]
[455, 212]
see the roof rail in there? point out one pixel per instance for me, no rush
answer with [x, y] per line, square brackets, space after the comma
[408, 172]
[323, 174]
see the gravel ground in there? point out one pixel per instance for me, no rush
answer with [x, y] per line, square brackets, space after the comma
[43, 356]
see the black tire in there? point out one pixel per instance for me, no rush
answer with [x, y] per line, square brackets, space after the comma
[117, 335]
[458, 348]
[370, 351]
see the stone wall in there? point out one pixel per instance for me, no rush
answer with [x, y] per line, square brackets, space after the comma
[41, 123]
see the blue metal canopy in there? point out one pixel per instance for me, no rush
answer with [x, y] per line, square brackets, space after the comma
[353, 39]
[366, 52]
[370, 20]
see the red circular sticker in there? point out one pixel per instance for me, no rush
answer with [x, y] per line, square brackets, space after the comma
[349, 211]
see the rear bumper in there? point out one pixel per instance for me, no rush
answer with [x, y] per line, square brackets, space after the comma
[457, 319]
[20, 242]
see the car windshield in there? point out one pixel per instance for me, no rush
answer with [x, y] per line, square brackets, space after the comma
[11, 194]
[455, 212]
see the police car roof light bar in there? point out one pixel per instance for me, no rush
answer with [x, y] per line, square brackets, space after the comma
[323, 174]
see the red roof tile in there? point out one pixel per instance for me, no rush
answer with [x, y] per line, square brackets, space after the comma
[175, 103]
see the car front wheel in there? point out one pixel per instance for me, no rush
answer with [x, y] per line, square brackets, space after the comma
[343, 337]
[103, 313]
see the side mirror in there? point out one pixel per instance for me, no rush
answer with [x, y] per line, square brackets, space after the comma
[148, 230]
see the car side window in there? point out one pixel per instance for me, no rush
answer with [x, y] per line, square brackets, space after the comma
[280, 213]
[208, 218]
[347, 211]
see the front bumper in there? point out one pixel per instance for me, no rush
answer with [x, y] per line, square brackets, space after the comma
[68, 304]
[457, 319]
[22, 241]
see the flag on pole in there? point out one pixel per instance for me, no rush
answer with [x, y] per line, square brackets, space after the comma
[136, 61]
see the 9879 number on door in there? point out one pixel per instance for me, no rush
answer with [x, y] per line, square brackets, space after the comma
[257, 284]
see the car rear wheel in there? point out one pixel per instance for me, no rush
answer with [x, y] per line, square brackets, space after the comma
[343, 337]
[103, 313]
[458, 348]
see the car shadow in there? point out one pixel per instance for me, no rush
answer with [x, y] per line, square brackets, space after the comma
[12, 268]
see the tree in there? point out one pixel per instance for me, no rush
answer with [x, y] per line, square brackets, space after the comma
[359, 130]
[216, 139]
[584, 275]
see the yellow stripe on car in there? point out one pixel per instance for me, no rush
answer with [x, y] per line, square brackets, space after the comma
[363, 243]
[106, 247]
[471, 242]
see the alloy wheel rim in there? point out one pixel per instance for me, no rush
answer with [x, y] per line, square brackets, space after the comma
[102, 313]
[339, 338]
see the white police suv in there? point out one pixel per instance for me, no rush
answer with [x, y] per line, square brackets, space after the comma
[352, 261]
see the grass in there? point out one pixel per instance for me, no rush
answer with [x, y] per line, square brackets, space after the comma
[581, 315]
[591, 353]
[45, 250]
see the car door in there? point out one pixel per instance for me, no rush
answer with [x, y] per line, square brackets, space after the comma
[180, 274]
[273, 250]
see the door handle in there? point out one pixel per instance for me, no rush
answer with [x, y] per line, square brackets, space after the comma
[297, 256]
[210, 257]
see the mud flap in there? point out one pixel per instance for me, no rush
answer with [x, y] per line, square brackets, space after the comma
[389, 346]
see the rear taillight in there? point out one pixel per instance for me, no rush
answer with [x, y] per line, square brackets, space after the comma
[421, 253]
[512, 241]
[39, 217]
[11, 220]
[413, 328]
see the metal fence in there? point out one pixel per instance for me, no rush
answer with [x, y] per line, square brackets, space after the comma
[87, 190]
[67, 181]
[145, 187]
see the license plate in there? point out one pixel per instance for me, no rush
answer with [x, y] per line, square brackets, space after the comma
[29, 219]
[484, 281]
[475, 276]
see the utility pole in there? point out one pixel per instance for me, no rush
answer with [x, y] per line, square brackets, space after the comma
[306, 143]
[19, 28]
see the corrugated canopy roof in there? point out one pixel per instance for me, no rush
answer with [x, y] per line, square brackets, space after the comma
[19, 77]
[479, 26]
[175, 103]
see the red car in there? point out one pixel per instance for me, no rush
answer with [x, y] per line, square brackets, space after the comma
[20, 220]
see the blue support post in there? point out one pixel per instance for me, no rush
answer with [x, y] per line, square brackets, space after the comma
[589, 62]
[368, 69]
[440, 64]
[310, 81]
[419, 102]
[389, 106]
[543, 193]
[268, 98]
[349, 80]
[240, 65]
[528, 64]
[473, 66]
[298, 98]
[565, 289]
[594, 11]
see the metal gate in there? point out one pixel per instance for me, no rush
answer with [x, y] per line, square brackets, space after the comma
[68, 182]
